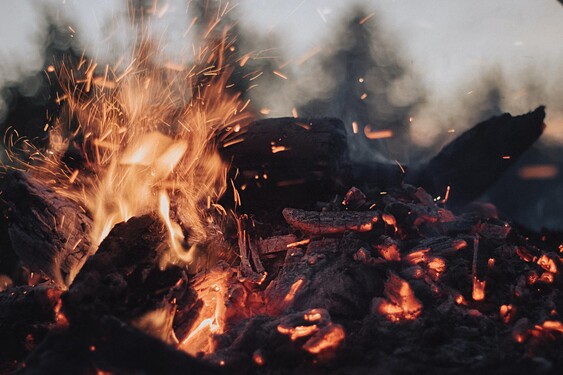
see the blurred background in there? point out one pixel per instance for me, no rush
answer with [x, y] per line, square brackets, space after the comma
[423, 71]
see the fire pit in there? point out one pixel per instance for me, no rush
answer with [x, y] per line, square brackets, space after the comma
[164, 229]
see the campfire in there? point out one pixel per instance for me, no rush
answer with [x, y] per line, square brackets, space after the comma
[165, 229]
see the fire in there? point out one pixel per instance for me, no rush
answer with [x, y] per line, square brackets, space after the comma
[147, 133]
[212, 289]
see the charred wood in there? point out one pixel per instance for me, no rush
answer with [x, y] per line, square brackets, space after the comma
[123, 278]
[326, 223]
[108, 345]
[472, 163]
[293, 162]
[27, 313]
[48, 232]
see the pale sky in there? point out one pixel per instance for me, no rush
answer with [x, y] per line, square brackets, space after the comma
[449, 43]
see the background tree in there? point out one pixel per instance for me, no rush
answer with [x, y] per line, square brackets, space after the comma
[371, 87]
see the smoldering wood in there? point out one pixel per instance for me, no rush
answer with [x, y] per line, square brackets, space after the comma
[275, 244]
[248, 251]
[472, 163]
[294, 162]
[290, 161]
[123, 278]
[327, 223]
[48, 232]
[109, 345]
[27, 313]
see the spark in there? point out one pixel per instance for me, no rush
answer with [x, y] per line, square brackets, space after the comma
[73, 176]
[366, 18]
[355, 127]
[400, 166]
[279, 74]
[377, 134]
[244, 60]
[308, 55]
[304, 126]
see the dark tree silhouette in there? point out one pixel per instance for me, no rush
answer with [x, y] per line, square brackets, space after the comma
[32, 103]
[366, 69]
[237, 49]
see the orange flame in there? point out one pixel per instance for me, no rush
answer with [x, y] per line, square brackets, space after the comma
[146, 131]
[212, 290]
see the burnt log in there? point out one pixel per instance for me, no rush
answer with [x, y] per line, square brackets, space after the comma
[327, 223]
[288, 160]
[123, 278]
[295, 162]
[110, 346]
[472, 163]
[48, 232]
[27, 313]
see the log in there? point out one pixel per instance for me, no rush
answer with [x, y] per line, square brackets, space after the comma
[110, 346]
[27, 313]
[48, 232]
[293, 162]
[276, 244]
[123, 278]
[326, 223]
[287, 162]
[472, 163]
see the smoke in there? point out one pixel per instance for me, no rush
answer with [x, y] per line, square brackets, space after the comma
[361, 77]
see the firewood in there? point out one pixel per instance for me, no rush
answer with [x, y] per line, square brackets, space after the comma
[26, 315]
[471, 163]
[123, 278]
[294, 162]
[48, 232]
[325, 223]
[290, 161]
[110, 346]
[275, 244]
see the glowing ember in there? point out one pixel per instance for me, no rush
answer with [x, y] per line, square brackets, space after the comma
[438, 266]
[293, 291]
[400, 303]
[212, 290]
[548, 263]
[327, 338]
[297, 332]
[478, 293]
[507, 312]
[258, 358]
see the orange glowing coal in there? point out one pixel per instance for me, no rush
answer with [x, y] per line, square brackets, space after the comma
[400, 303]
[212, 290]
[478, 293]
